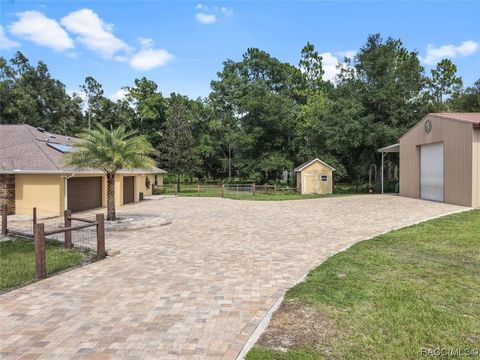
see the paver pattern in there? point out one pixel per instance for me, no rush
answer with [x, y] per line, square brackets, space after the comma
[196, 288]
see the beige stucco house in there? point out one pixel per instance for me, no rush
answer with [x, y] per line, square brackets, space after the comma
[440, 159]
[314, 177]
[33, 174]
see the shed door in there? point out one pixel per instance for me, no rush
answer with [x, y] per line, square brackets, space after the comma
[431, 172]
[84, 193]
[128, 189]
[309, 184]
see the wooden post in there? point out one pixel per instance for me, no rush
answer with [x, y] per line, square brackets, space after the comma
[39, 243]
[175, 189]
[198, 188]
[4, 219]
[100, 236]
[253, 189]
[275, 189]
[34, 219]
[223, 190]
[67, 219]
[265, 188]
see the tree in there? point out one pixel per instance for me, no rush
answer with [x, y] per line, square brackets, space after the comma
[28, 94]
[444, 81]
[259, 98]
[467, 100]
[311, 67]
[178, 145]
[150, 107]
[111, 151]
[94, 97]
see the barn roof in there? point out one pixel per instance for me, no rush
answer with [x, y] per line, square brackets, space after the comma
[466, 117]
[307, 163]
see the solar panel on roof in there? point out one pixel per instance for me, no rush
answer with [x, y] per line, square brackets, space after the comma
[60, 147]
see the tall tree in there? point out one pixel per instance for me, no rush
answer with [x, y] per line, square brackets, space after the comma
[111, 151]
[444, 81]
[177, 150]
[150, 107]
[28, 94]
[311, 67]
[94, 97]
[467, 100]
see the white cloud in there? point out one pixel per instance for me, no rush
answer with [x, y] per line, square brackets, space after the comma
[329, 64]
[226, 11]
[119, 95]
[36, 27]
[204, 18]
[6, 43]
[148, 57]
[435, 54]
[208, 15]
[94, 33]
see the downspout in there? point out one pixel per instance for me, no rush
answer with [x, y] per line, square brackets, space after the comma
[65, 190]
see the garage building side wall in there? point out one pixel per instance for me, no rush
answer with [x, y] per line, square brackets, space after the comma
[476, 169]
[457, 139]
[45, 192]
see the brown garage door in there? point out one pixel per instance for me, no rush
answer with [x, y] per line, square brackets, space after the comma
[128, 194]
[84, 193]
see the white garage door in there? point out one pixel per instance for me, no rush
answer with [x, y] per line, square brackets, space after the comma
[431, 172]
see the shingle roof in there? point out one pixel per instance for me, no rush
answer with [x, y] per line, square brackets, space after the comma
[24, 149]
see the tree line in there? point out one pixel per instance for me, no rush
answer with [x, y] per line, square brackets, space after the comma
[262, 116]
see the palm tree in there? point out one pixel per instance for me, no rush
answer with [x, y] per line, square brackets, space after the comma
[111, 151]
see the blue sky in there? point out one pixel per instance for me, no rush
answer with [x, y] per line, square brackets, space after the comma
[181, 44]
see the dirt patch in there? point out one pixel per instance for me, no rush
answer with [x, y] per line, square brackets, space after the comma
[298, 325]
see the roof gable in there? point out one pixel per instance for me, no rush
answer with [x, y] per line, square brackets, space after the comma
[472, 118]
[310, 162]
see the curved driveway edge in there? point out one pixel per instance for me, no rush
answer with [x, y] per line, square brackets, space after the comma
[195, 289]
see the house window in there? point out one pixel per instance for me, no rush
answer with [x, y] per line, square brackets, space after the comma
[156, 180]
[324, 178]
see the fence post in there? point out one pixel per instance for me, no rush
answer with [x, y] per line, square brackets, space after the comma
[67, 219]
[100, 236]
[4, 219]
[275, 189]
[34, 219]
[223, 190]
[265, 188]
[198, 188]
[39, 242]
[253, 189]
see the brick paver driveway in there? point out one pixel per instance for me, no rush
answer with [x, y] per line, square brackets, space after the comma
[197, 288]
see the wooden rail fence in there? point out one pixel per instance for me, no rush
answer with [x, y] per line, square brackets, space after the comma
[39, 235]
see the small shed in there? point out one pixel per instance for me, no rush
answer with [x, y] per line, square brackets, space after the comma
[314, 177]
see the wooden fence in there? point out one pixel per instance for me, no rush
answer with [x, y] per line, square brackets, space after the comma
[39, 235]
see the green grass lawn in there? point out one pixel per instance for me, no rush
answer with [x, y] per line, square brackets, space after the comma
[386, 298]
[189, 191]
[17, 261]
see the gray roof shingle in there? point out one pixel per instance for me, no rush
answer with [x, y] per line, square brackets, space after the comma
[24, 149]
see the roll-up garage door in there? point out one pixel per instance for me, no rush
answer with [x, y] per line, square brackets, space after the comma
[431, 172]
[128, 189]
[84, 193]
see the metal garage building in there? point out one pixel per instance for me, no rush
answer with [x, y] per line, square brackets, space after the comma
[440, 159]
